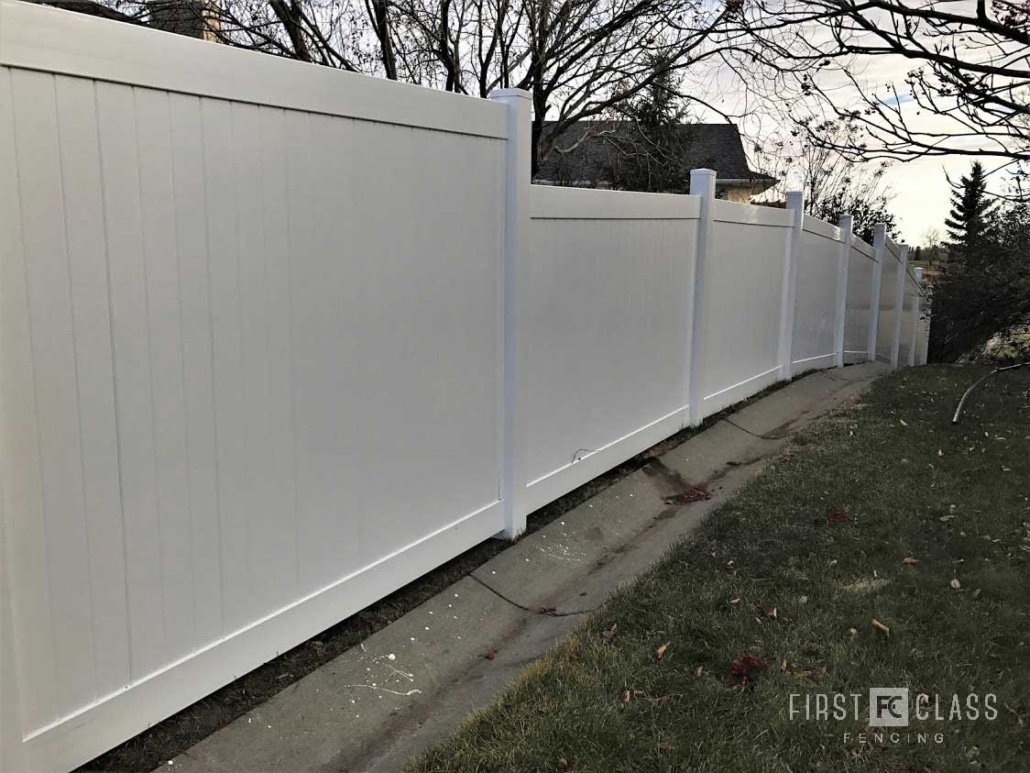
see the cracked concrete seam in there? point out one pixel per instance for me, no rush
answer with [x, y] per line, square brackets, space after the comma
[548, 611]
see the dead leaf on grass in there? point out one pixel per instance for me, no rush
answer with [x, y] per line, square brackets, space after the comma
[910, 561]
[747, 668]
[956, 584]
[865, 585]
[661, 650]
[881, 627]
[839, 516]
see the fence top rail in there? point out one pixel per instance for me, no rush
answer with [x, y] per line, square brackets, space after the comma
[748, 214]
[551, 202]
[893, 248]
[821, 228]
[54, 40]
[864, 248]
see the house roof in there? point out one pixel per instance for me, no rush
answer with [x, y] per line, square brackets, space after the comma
[714, 146]
[183, 17]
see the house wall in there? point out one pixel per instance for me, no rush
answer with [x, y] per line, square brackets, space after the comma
[737, 194]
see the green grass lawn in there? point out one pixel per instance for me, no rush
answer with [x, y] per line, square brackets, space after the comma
[793, 572]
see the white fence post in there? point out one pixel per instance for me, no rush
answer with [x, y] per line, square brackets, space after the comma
[796, 204]
[702, 184]
[913, 356]
[879, 250]
[899, 308]
[516, 241]
[843, 265]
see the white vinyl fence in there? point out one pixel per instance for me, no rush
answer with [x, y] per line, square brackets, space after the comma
[861, 276]
[741, 298]
[275, 340]
[892, 268]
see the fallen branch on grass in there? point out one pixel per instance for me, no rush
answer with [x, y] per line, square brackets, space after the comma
[978, 382]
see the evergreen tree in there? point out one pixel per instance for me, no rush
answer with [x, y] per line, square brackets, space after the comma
[971, 222]
[983, 291]
[659, 103]
[648, 151]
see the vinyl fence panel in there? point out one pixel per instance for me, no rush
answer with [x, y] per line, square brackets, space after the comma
[815, 307]
[744, 275]
[607, 318]
[231, 326]
[888, 301]
[907, 318]
[857, 320]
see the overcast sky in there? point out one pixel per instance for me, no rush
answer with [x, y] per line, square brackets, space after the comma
[922, 193]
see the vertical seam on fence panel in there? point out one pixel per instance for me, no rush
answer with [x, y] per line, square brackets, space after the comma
[879, 246]
[914, 339]
[702, 184]
[843, 266]
[12, 749]
[899, 304]
[796, 204]
[516, 243]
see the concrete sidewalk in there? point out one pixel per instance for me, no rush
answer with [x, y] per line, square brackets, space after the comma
[410, 684]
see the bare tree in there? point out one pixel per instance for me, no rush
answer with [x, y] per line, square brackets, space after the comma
[834, 185]
[579, 59]
[965, 67]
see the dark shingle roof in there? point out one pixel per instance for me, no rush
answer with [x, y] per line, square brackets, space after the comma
[183, 17]
[706, 145]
